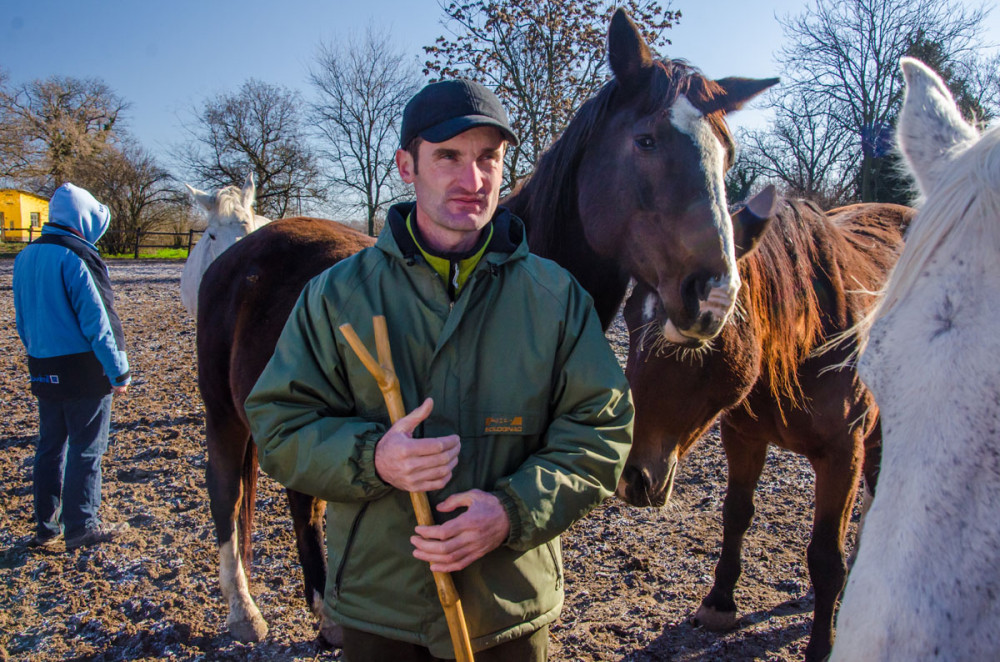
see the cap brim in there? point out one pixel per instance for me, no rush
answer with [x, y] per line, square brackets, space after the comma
[451, 128]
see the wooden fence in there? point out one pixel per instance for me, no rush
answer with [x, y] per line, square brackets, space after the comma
[134, 240]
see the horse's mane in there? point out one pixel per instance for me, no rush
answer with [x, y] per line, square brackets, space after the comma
[780, 304]
[811, 277]
[549, 196]
[964, 207]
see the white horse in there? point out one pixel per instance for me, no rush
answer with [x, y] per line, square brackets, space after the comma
[230, 218]
[926, 583]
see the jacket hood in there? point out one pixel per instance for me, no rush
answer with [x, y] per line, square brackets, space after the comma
[75, 210]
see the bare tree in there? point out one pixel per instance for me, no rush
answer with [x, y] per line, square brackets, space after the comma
[985, 87]
[843, 56]
[805, 151]
[135, 188]
[543, 58]
[361, 89]
[257, 129]
[11, 144]
[49, 125]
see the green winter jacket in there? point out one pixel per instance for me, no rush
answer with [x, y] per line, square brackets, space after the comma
[517, 366]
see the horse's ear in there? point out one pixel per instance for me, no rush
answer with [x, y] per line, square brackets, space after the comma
[206, 200]
[930, 124]
[249, 191]
[629, 56]
[735, 92]
[751, 222]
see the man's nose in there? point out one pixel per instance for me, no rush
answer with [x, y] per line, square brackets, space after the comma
[471, 177]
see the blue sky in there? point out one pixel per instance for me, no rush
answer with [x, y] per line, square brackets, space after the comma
[166, 57]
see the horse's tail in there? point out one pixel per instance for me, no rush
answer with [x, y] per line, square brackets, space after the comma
[249, 499]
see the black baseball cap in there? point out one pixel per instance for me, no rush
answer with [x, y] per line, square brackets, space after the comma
[445, 109]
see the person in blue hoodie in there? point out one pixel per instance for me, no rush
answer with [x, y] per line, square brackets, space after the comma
[65, 316]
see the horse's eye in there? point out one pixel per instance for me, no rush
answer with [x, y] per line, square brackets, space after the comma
[645, 143]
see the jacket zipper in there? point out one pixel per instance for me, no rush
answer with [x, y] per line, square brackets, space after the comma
[347, 549]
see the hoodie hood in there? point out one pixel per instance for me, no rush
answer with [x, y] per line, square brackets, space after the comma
[76, 210]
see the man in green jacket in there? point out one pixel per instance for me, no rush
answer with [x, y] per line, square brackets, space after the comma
[520, 417]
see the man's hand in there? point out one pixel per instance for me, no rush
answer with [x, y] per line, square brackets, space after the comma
[416, 465]
[120, 390]
[458, 542]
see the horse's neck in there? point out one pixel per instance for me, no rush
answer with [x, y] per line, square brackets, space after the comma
[558, 235]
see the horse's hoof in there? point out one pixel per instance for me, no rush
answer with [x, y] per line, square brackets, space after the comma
[248, 631]
[712, 619]
[330, 635]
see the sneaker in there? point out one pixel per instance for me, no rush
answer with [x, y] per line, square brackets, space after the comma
[43, 541]
[98, 534]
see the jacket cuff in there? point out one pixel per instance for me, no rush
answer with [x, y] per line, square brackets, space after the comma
[513, 516]
[371, 482]
[121, 380]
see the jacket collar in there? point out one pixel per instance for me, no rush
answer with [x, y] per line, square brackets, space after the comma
[507, 243]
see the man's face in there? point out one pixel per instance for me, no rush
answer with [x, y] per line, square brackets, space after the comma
[457, 186]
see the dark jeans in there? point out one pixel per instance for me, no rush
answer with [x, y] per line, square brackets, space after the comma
[72, 438]
[366, 647]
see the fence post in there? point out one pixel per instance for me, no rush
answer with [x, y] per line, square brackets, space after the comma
[137, 244]
[190, 240]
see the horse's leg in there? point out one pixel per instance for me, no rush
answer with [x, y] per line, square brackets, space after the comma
[307, 516]
[745, 458]
[837, 474]
[228, 444]
[870, 469]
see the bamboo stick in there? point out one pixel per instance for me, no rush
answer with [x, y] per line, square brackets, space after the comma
[385, 375]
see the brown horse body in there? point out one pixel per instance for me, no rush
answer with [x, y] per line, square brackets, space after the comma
[810, 279]
[245, 297]
[634, 188]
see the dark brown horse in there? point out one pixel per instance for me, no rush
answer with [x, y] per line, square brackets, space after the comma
[245, 297]
[634, 187]
[810, 278]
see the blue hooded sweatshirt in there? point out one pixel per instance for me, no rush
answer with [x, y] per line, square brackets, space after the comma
[64, 307]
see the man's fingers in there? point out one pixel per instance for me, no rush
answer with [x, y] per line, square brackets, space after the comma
[455, 501]
[446, 556]
[432, 478]
[409, 423]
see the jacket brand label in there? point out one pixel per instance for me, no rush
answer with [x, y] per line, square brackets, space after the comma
[504, 424]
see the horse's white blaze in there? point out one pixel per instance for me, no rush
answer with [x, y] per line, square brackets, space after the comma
[691, 122]
[925, 583]
[244, 620]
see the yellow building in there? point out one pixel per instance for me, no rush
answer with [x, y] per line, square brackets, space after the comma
[22, 215]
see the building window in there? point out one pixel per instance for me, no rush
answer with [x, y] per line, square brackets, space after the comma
[35, 219]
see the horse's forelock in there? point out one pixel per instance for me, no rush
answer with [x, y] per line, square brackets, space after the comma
[704, 94]
[229, 207]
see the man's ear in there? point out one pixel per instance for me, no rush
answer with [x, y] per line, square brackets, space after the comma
[405, 165]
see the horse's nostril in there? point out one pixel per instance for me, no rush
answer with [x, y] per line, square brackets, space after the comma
[636, 479]
[694, 289]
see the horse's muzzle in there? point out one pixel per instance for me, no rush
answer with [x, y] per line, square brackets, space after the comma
[636, 488]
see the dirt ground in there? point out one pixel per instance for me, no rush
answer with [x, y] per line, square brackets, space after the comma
[634, 576]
